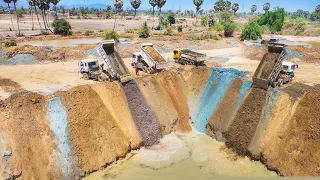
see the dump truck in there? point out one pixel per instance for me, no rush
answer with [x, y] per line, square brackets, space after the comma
[272, 71]
[112, 68]
[186, 56]
[148, 60]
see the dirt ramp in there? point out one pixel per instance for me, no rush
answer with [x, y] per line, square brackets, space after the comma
[160, 100]
[224, 111]
[143, 115]
[27, 139]
[298, 152]
[94, 136]
[246, 120]
[115, 100]
[174, 87]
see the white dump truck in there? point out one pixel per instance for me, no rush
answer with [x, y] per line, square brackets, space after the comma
[112, 68]
[148, 60]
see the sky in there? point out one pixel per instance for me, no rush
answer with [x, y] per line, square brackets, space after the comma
[289, 5]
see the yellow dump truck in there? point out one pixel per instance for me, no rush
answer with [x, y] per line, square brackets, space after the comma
[186, 56]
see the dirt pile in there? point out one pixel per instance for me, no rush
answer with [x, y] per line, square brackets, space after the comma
[298, 152]
[310, 55]
[29, 138]
[269, 61]
[115, 100]
[94, 136]
[245, 121]
[219, 119]
[173, 85]
[154, 54]
[143, 115]
[9, 86]
[160, 102]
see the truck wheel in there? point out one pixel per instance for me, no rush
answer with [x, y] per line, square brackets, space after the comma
[280, 82]
[100, 78]
[274, 84]
[85, 76]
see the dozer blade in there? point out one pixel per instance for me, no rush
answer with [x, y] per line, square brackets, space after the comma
[125, 78]
[276, 47]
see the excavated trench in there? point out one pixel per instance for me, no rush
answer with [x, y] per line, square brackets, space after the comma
[198, 123]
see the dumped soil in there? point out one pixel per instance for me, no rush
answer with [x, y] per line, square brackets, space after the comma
[160, 101]
[114, 99]
[298, 153]
[255, 52]
[30, 138]
[154, 54]
[219, 119]
[174, 86]
[269, 61]
[297, 90]
[9, 86]
[246, 120]
[310, 55]
[118, 64]
[94, 136]
[143, 115]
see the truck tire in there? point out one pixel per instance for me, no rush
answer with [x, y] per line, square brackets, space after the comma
[85, 76]
[274, 84]
[280, 82]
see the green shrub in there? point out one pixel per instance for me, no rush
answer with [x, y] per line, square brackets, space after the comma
[129, 30]
[217, 27]
[44, 33]
[252, 31]
[204, 20]
[275, 20]
[216, 37]
[87, 33]
[10, 43]
[168, 31]
[61, 27]
[110, 34]
[229, 28]
[300, 25]
[205, 36]
[171, 18]
[180, 28]
[144, 31]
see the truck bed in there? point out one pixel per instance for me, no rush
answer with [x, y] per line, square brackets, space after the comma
[117, 64]
[193, 53]
[154, 54]
[267, 65]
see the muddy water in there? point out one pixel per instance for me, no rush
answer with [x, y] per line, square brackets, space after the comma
[63, 42]
[187, 156]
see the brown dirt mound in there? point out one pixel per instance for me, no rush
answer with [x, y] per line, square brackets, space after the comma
[154, 54]
[173, 85]
[94, 136]
[115, 100]
[143, 115]
[269, 60]
[29, 138]
[219, 119]
[298, 153]
[297, 90]
[245, 122]
[158, 99]
[9, 85]
[310, 55]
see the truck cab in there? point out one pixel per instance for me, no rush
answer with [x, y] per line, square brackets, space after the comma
[136, 58]
[288, 68]
[177, 54]
[88, 65]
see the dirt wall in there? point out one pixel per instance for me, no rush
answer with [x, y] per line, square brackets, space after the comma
[143, 115]
[115, 101]
[245, 121]
[172, 84]
[157, 98]
[94, 136]
[26, 139]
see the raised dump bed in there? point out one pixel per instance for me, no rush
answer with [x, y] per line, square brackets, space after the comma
[152, 57]
[270, 66]
[113, 61]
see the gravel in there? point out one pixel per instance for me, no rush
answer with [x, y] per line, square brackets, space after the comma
[92, 52]
[19, 59]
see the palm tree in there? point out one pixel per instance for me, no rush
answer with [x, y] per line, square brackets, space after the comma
[8, 2]
[118, 6]
[135, 4]
[36, 4]
[55, 2]
[31, 4]
[253, 8]
[160, 4]
[198, 4]
[317, 9]
[153, 3]
[15, 10]
[266, 6]
[235, 7]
